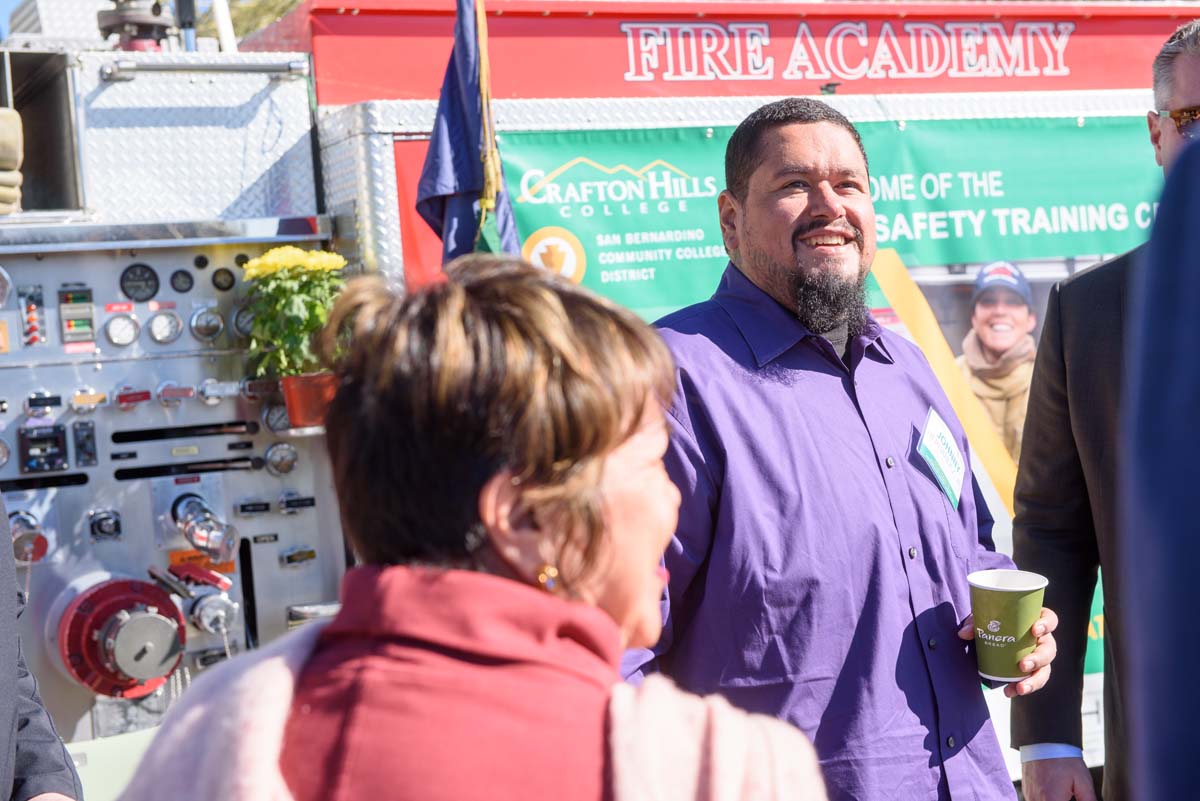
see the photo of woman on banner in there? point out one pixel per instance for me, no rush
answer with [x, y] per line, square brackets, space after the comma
[998, 351]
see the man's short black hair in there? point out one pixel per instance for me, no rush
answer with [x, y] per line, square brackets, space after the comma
[741, 154]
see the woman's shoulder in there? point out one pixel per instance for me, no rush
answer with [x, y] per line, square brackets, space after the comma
[670, 745]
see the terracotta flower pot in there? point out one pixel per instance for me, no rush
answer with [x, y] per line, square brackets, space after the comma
[308, 397]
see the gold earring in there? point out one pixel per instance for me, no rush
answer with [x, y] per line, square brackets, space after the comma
[548, 577]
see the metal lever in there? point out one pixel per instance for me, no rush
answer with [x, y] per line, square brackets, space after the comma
[170, 394]
[212, 390]
[124, 69]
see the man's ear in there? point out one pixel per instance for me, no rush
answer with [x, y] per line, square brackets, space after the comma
[728, 211]
[1032, 323]
[1154, 123]
[511, 529]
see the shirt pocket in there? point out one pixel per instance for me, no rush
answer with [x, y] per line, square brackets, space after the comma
[938, 520]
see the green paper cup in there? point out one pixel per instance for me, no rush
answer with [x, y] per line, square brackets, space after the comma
[1006, 604]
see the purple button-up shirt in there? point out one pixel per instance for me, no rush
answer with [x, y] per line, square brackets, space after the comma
[818, 573]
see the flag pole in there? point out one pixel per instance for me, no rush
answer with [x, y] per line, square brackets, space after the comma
[490, 154]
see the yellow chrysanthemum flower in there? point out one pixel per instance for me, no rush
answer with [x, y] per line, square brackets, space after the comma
[289, 257]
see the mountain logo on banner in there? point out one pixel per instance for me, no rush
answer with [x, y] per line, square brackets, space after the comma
[582, 187]
[534, 181]
[557, 250]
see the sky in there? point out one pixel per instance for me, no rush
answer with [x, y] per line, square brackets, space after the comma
[6, 7]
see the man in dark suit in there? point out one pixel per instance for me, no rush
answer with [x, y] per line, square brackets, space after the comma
[1161, 440]
[1066, 521]
[34, 763]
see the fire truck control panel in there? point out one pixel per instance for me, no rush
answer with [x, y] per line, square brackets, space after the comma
[164, 513]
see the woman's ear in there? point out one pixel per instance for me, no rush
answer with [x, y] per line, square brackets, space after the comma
[511, 529]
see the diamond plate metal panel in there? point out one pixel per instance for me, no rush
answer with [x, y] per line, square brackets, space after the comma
[60, 19]
[411, 117]
[378, 204]
[1116, 103]
[194, 145]
[358, 160]
[53, 44]
[338, 162]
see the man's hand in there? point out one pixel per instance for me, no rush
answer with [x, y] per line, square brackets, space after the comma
[1056, 780]
[1037, 664]
[51, 797]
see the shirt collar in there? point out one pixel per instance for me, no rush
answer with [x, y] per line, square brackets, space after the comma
[768, 328]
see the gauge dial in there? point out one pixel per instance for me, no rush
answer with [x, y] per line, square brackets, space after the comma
[223, 279]
[243, 322]
[165, 327]
[122, 330]
[206, 324]
[275, 417]
[139, 282]
[182, 281]
[4, 453]
[281, 458]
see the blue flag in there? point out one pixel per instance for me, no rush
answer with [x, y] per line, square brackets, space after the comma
[461, 180]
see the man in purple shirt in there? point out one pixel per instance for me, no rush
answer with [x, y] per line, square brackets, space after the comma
[818, 572]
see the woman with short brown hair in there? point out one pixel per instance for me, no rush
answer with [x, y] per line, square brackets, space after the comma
[497, 446]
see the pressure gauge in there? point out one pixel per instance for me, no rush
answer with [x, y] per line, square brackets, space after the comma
[139, 282]
[206, 324]
[165, 327]
[223, 279]
[281, 458]
[182, 281]
[275, 417]
[243, 322]
[122, 330]
[4, 453]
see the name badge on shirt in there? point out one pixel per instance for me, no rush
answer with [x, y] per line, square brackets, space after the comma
[939, 450]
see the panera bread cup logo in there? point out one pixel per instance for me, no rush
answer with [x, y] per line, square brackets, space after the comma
[557, 250]
[993, 636]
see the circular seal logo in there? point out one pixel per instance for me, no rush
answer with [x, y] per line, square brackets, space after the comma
[558, 250]
[994, 626]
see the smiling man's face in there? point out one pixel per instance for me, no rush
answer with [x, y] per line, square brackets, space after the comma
[807, 216]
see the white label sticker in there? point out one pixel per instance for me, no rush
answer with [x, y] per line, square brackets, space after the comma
[939, 450]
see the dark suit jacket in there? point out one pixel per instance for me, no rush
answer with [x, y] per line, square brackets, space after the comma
[1162, 549]
[1066, 521]
[33, 759]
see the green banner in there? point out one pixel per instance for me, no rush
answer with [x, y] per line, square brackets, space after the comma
[632, 214]
[962, 191]
[1094, 660]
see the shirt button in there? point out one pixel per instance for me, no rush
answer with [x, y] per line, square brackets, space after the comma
[912, 553]
[891, 462]
[932, 643]
[950, 741]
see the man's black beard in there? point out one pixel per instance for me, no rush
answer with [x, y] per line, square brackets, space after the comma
[824, 300]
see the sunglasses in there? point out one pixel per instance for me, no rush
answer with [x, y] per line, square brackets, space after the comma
[1185, 119]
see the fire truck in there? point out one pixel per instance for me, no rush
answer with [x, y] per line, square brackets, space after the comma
[166, 514]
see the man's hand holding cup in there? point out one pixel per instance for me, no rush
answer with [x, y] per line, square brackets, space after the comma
[1014, 635]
